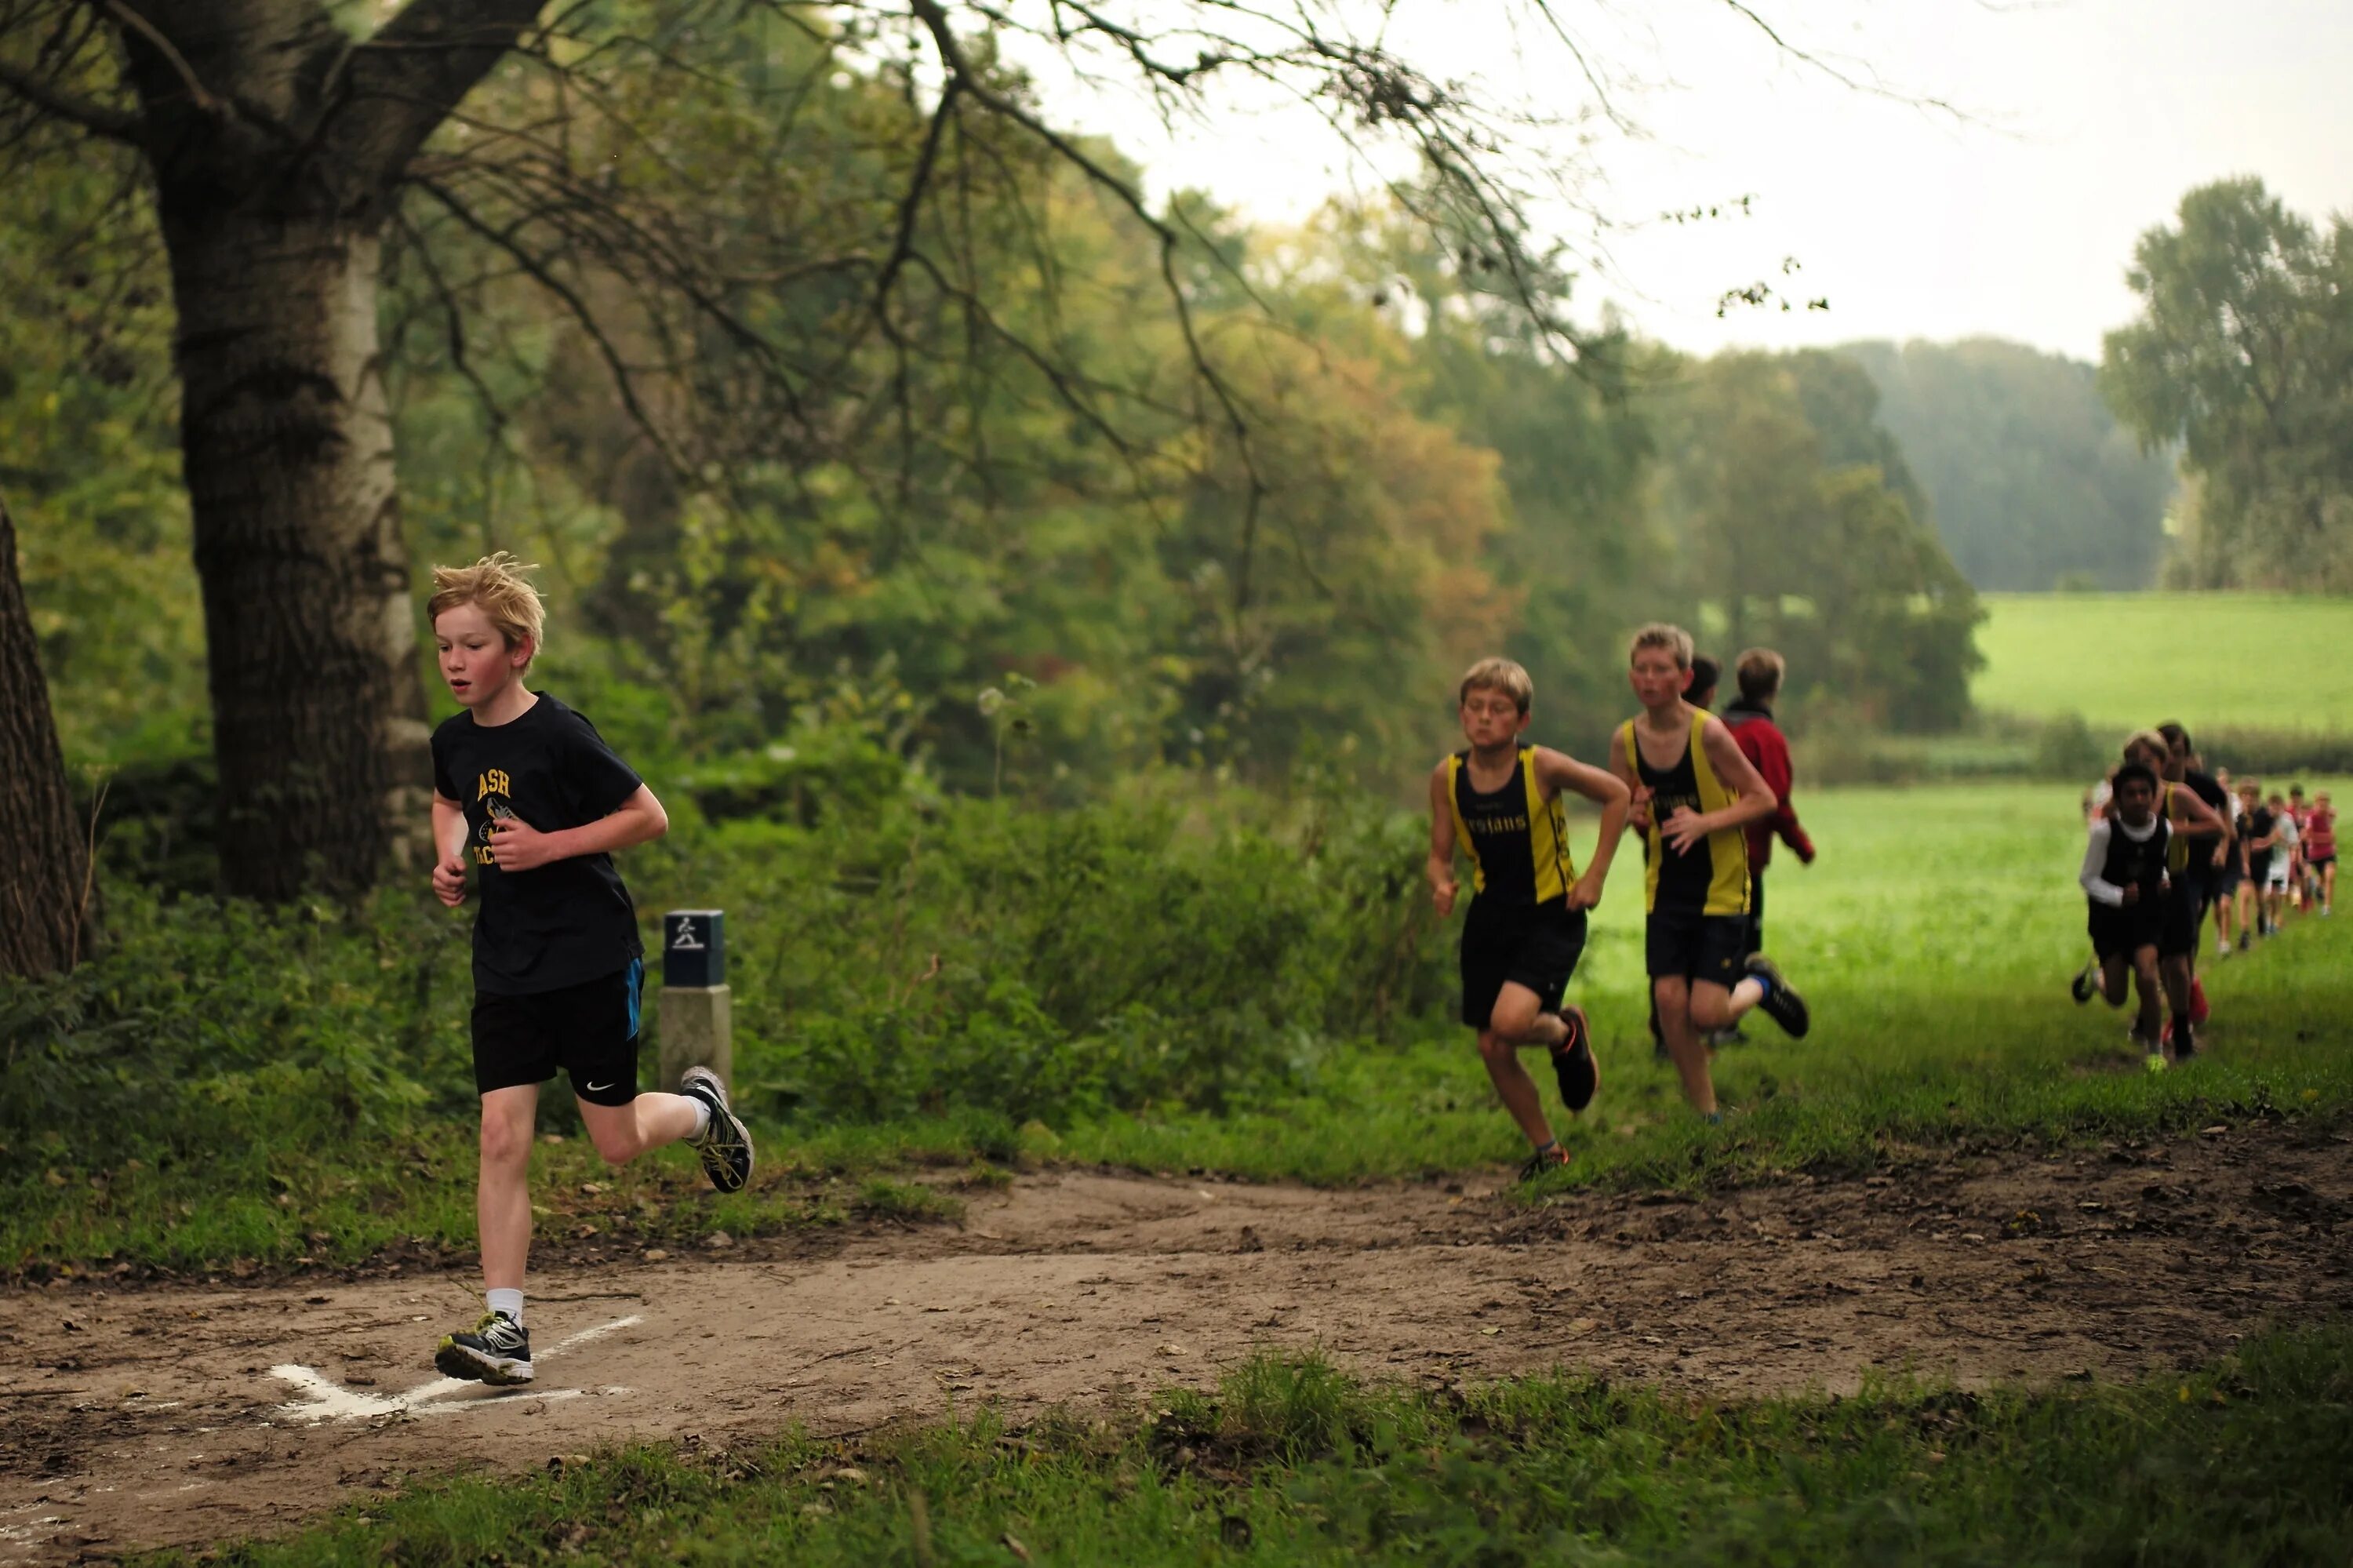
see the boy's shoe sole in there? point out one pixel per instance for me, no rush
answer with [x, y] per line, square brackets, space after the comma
[1573, 1063]
[1782, 1003]
[725, 1146]
[2081, 987]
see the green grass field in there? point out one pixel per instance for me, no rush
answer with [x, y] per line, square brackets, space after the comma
[2213, 661]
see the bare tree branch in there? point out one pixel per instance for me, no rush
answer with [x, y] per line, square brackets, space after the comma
[407, 76]
[132, 23]
[48, 98]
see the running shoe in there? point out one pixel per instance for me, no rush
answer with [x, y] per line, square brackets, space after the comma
[2197, 1000]
[2181, 1035]
[2245, 938]
[1543, 1160]
[2086, 983]
[2154, 1061]
[724, 1145]
[1782, 1003]
[1573, 1063]
[495, 1351]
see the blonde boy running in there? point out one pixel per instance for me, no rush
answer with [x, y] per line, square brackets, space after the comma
[1692, 794]
[1501, 802]
[529, 798]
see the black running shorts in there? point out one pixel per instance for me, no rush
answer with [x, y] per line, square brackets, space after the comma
[1680, 944]
[2116, 929]
[590, 1030]
[1536, 946]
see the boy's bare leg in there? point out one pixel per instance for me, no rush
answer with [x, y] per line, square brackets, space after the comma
[502, 1198]
[621, 1133]
[1714, 1008]
[2174, 972]
[1513, 1023]
[1675, 997]
[2116, 978]
[2150, 1020]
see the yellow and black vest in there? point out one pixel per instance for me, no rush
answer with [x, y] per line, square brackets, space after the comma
[2177, 850]
[1518, 841]
[1711, 877]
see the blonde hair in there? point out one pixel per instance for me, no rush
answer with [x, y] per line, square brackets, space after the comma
[1498, 675]
[2147, 740]
[1760, 671]
[496, 585]
[1659, 634]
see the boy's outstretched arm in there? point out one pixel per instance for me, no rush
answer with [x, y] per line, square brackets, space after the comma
[2198, 819]
[516, 845]
[448, 850]
[1606, 791]
[1440, 868]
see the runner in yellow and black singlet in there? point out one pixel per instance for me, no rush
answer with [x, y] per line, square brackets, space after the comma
[1501, 802]
[1692, 794]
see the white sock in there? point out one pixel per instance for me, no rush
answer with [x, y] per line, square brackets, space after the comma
[507, 1301]
[702, 1115]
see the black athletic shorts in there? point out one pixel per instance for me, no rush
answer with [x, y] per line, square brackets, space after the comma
[2317, 864]
[590, 1030]
[2227, 877]
[2116, 929]
[1686, 944]
[1533, 945]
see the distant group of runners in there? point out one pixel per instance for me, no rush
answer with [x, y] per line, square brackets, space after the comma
[2167, 841]
[1707, 794]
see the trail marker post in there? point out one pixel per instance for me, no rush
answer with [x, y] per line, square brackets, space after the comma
[697, 1013]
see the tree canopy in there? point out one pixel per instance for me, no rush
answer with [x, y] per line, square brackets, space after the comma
[2243, 355]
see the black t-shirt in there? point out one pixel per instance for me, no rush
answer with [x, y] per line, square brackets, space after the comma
[2258, 825]
[2204, 787]
[568, 921]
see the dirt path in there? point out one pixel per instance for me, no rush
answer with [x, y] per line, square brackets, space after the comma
[148, 1417]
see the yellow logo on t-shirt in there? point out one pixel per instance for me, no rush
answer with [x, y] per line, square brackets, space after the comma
[494, 787]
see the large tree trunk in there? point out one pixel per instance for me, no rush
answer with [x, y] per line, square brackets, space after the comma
[278, 142]
[318, 716]
[44, 868]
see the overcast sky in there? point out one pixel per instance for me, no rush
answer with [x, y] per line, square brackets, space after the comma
[2087, 121]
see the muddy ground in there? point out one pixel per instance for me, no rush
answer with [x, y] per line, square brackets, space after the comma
[149, 1416]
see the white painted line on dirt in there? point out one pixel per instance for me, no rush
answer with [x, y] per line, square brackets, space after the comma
[324, 1399]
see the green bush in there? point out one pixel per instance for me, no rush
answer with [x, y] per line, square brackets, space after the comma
[893, 958]
[205, 1026]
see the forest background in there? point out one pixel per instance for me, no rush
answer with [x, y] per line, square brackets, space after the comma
[1029, 555]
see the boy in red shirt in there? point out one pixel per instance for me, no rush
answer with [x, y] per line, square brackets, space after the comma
[1750, 719]
[2320, 848]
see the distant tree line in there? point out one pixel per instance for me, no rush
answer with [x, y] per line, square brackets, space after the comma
[2032, 481]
